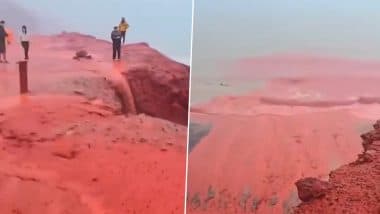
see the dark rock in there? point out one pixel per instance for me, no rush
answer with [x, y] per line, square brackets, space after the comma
[66, 154]
[363, 158]
[311, 188]
[81, 54]
[370, 137]
[376, 126]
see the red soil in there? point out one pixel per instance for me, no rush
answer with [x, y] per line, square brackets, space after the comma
[65, 148]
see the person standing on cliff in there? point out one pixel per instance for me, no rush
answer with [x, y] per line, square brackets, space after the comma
[24, 38]
[116, 43]
[123, 27]
[3, 41]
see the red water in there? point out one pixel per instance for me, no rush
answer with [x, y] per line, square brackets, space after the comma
[305, 121]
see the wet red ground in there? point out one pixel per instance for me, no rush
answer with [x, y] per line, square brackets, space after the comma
[258, 148]
[66, 147]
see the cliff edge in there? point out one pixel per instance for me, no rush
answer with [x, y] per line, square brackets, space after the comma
[353, 188]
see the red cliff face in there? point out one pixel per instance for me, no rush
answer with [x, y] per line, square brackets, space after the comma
[145, 79]
[160, 86]
[355, 187]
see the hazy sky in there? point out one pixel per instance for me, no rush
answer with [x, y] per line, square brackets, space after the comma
[239, 28]
[228, 30]
[164, 24]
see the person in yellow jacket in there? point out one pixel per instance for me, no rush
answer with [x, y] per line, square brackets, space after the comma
[123, 27]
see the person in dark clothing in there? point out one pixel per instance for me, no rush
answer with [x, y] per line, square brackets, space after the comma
[116, 43]
[24, 38]
[3, 40]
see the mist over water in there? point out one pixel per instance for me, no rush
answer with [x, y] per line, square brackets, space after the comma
[212, 78]
[235, 29]
[231, 30]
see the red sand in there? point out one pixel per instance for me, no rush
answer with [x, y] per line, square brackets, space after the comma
[302, 123]
[64, 150]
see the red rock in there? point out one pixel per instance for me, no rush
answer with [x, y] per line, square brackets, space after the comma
[66, 152]
[81, 54]
[311, 188]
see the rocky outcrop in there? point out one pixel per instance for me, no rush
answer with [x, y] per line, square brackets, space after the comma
[370, 139]
[355, 187]
[160, 86]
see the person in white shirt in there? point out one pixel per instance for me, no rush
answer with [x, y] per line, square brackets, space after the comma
[24, 37]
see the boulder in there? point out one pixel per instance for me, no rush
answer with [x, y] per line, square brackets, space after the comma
[82, 54]
[311, 188]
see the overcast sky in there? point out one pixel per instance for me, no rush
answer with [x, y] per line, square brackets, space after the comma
[164, 24]
[239, 28]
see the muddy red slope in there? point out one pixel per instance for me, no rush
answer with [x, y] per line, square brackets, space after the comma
[67, 148]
